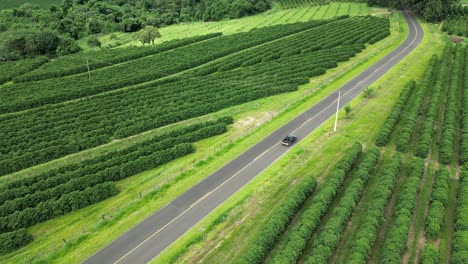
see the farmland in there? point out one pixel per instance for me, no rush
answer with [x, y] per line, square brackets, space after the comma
[84, 161]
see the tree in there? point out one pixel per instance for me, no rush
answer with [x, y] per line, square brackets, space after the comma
[347, 109]
[149, 34]
[369, 92]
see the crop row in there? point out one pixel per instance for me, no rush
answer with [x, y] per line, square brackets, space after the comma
[447, 142]
[269, 234]
[11, 69]
[432, 111]
[389, 125]
[23, 96]
[309, 220]
[439, 199]
[430, 255]
[78, 62]
[47, 133]
[11, 241]
[397, 236]
[341, 32]
[56, 207]
[460, 237]
[464, 114]
[374, 215]
[456, 26]
[299, 3]
[410, 116]
[324, 246]
[21, 194]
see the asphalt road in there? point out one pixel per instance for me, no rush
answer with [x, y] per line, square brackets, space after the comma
[149, 238]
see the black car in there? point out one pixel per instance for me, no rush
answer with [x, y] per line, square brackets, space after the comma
[289, 139]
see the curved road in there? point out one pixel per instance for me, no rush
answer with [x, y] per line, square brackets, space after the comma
[149, 238]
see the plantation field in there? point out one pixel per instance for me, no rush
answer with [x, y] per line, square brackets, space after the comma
[158, 186]
[274, 16]
[348, 234]
[8, 4]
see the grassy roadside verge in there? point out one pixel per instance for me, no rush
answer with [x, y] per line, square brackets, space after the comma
[74, 237]
[319, 146]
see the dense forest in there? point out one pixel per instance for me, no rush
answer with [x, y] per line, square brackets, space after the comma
[30, 30]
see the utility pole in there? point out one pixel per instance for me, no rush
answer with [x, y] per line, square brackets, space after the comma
[89, 73]
[337, 108]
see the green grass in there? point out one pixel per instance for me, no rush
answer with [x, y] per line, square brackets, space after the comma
[8, 4]
[322, 145]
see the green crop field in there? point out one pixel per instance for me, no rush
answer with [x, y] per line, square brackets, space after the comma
[8, 4]
[94, 142]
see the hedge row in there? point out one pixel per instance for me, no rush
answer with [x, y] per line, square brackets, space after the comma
[11, 241]
[374, 215]
[432, 111]
[430, 255]
[464, 109]
[44, 134]
[414, 109]
[76, 63]
[53, 208]
[460, 237]
[271, 231]
[447, 142]
[11, 69]
[387, 128]
[309, 220]
[148, 154]
[439, 199]
[36, 94]
[397, 236]
[324, 247]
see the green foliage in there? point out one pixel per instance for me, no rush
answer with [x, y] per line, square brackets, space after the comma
[460, 237]
[432, 111]
[30, 139]
[397, 236]
[430, 255]
[348, 110]
[432, 11]
[56, 207]
[374, 216]
[309, 220]
[324, 246]
[414, 110]
[387, 128]
[76, 63]
[439, 199]
[93, 41]
[12, 69]
[271, 231]
[369, 92]
[298, 3]
[11, 241]
[464, 109]
[148, 35]
[447, 142]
